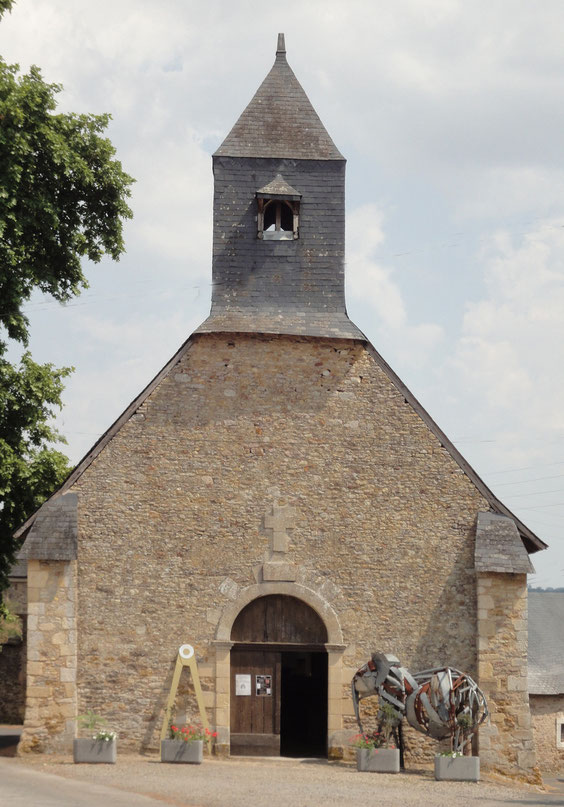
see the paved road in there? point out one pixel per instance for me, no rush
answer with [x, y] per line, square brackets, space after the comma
[136, 781]
[21, 786]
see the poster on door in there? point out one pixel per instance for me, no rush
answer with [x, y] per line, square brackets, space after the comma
[263, 685]
[242, 685]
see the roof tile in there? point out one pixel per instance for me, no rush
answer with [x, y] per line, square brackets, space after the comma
[280, 122]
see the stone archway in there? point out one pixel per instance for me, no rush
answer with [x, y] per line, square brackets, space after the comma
[322, 656]
[307, 595]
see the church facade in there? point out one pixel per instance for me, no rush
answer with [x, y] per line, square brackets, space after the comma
[277, 498]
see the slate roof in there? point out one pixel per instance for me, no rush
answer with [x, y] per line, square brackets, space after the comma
[18, 569]
[280, 121]
[270, 320]
[546, 642]
[499, 547]
[53, 535]
[278, 187]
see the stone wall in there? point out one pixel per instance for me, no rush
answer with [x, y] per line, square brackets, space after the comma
[50, 715]
[547, 711]
[506, 740]
[171, 524]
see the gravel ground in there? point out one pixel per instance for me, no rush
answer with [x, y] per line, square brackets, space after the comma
[248, 782]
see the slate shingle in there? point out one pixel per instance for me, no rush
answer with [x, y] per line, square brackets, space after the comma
[53, 535]
[279, 122]
[499, 547]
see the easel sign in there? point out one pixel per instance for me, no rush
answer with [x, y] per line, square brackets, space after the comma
[185, 658]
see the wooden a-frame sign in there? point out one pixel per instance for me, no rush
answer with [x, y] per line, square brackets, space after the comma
[185, 658]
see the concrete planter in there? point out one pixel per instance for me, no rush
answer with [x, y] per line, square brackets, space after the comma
[378, 760]
[180, 751]
[457, 769]
[88, 750]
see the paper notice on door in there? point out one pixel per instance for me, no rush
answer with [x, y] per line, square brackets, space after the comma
[242, 685]
[264, 685]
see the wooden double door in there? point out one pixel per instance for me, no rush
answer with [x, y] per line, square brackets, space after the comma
[278, 680]
[278, 701]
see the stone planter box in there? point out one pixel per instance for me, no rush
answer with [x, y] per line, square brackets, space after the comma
[457, 769]
[378, 760]
[180, 751]
[88, 750]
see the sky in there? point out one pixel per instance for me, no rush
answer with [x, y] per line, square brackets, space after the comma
[450, 115]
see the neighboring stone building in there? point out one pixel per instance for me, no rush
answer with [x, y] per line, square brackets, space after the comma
[13, 651]
[546, 677]
[275, 497]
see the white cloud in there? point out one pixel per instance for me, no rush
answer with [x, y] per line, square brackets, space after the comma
[371, 284]
[172, 201]
[512, 343]
[130, 353]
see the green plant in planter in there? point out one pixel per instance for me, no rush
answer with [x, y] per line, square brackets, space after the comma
[388, 719]
[93, 722]
[462, 733]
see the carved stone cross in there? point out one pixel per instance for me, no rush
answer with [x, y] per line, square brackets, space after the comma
[282, 519]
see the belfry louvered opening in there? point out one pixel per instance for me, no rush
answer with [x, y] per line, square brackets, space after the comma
[278, 211]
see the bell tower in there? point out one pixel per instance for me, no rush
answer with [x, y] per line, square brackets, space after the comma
[279, 218]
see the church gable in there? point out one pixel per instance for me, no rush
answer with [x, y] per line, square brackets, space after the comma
[181, 495]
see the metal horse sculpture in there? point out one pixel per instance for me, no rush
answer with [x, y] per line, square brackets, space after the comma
[441, 702]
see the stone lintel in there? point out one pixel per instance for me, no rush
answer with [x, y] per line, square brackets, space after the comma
[279, 572]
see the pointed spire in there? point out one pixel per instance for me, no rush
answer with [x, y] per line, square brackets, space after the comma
[280, 121]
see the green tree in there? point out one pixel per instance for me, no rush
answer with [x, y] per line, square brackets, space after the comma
[63, 197]
[5, 5]
[30, 469]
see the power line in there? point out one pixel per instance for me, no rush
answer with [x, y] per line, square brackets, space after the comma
[542, 506]
[536, 493]
[526, 481]
[525, 468]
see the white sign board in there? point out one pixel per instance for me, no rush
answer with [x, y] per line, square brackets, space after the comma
[242, 684]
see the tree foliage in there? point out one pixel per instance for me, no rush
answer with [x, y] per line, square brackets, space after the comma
[30, 470]
[63, 197]
[6, 5]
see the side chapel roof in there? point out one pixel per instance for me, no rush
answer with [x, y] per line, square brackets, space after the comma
[498, 548]
[280, 121]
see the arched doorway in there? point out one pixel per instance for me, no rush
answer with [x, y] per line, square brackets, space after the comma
[278, 679]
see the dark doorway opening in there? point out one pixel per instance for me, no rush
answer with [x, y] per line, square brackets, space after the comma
[279, 679]
[303, 708]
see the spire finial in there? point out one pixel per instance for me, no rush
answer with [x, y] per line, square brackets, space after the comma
[281, 47]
